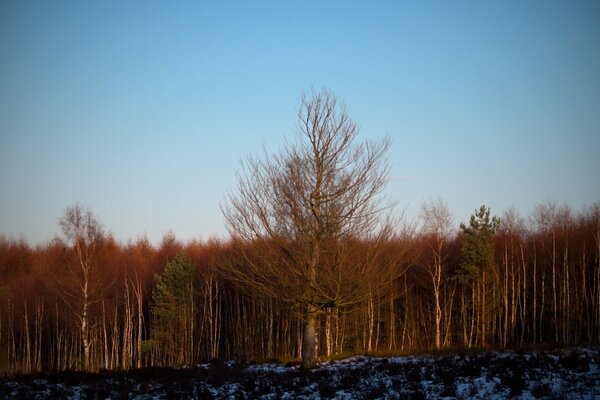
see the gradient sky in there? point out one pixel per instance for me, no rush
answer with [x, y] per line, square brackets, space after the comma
[143, 110]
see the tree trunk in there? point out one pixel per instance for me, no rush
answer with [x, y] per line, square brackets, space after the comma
[309, 343]
[370, 322]
[84, 326]
[438, 317]
[524, 304]
[392, 334]
[554, 300]
[328, 335]
[27, 355]
[535, 295]
[483, 309]
[140, 315]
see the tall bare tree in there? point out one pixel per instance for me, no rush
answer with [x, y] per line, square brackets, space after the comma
[81, 227]
[437, 227]
[302, 207]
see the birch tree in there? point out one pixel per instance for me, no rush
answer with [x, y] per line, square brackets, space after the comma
[437, 222]
[81, 227]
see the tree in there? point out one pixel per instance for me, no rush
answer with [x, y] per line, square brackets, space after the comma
[81, 227]
[478, 254]
[300, 209]
[437, 221]
[173, 312]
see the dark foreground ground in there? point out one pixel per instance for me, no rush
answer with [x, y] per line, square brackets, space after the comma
[560, 374]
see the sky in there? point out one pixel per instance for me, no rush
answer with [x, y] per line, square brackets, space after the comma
[142, 111]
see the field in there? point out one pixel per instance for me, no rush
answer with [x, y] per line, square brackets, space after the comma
[568, 373]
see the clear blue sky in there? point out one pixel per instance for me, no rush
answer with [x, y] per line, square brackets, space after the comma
[143, 110]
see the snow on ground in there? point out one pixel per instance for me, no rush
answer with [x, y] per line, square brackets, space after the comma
[568, 374]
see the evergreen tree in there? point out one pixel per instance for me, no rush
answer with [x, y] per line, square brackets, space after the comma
[477, 252]
[477, 257]
[173, 312]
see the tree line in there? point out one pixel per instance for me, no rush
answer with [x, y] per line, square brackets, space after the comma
[135, 304]
[317, 264]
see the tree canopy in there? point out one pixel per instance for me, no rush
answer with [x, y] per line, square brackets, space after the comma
[306, 206]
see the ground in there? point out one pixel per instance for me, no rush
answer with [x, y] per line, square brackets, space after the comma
[565, 374]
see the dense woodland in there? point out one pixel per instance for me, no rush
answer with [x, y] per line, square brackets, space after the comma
[86, 301]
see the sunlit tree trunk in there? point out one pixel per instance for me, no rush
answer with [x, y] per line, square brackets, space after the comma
[137, 290]
[542, 304]
[483, 308]
[39, 318]
[392, 318]
[515, 291]
[126, 351]
[505, 297]
[27, 340]
[554, 295]
[597, 286]
[448, 312]
[534, 310]
[328, 334]
[370, 322]
[309, 344]
[105, 353]
[566, 302]
[464, 317]
[378, 323]
[524, 303]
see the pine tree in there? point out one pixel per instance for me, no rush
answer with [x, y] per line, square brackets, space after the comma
[173, 314]
[477, 257]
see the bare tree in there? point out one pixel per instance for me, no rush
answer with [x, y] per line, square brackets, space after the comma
[81, 227]
[304, 207]
[437, 225]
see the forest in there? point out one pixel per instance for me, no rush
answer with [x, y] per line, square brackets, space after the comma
[171, 304]
[317, 265]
